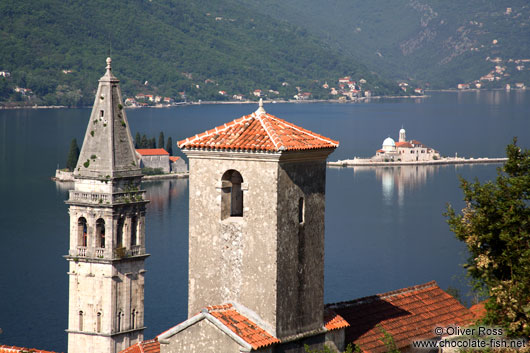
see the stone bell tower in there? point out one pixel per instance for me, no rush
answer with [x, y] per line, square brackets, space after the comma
[107, 232]
[256, 227]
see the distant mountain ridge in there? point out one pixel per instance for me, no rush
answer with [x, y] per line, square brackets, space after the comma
[174, 48]
[436, 42]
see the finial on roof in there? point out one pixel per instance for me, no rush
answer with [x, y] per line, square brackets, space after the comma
[260, 110]
[109, 60]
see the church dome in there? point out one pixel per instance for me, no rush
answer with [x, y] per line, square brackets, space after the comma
[389, 142]
[389, 145]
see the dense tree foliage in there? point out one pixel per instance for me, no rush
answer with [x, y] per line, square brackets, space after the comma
[169, 145]
[73, 155]
[495, 225]
[164, 47]
[161, 140]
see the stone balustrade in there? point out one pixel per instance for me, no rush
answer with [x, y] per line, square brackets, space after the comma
[105, 198]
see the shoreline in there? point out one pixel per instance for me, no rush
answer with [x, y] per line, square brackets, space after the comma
[365, 162]
[67, 177]
[269, 101]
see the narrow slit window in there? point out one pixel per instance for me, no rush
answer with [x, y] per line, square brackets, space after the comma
[101, 113]
[80, 321]
[301, 210]
[98, 323]
[118, 322]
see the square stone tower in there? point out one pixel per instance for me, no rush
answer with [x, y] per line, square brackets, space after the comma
[107, 232]
[256, 227]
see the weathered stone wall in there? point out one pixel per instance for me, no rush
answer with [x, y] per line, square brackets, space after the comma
[155, 162]
[266, 260]
[100, 288]
[179, 166]
[201, 337]
[301, 197]
[333, 340]
[233, 259]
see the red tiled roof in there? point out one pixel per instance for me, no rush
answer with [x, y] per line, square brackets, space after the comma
[417, 143]
[152, 152]
[13, 349]
[174, 159]
[479, 310]
[242, 326]
[407, 314]
[333, 321]
[403, 144]
[149, 346]
[258, 132]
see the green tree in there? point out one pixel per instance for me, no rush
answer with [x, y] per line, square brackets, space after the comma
[169, 145]
[73, 155]
[161, 140]
[145, 142]
[137, 140]
[495, 225]
[152, 143]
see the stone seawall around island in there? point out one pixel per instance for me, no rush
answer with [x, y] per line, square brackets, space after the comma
[366, 162]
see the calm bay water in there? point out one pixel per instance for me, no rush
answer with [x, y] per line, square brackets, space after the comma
[384, 227]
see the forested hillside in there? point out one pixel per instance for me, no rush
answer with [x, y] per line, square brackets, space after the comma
[57, 49]
[437, 42]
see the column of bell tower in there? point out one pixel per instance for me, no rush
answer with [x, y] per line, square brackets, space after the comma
[107, 232]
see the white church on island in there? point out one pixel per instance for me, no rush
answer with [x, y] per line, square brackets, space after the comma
[404, 151]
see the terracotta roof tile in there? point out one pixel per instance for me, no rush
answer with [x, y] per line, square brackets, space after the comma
[152, 152]
[14, 349]
[333, 321]
[242, 326]
[403, 144]
[407, 314]
[258, 131]
[174, 159]
[479, 310]
[149, 346]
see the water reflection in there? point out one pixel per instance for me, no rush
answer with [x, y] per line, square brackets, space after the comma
[161, 193]
[399, 179]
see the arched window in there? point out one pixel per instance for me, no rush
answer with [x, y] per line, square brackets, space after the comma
[119, 233]
[134, 227]
[80, 321]
[100, 233]
[98, 322]
[301, 210]
[232, 194]
[82, 232]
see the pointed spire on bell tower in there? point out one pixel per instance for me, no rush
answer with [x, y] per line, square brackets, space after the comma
[260, 110]
[108, 150]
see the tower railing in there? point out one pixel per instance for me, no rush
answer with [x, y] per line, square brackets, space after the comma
[96, 198]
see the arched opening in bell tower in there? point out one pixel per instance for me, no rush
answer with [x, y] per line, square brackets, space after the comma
[82, 232]
[232, 194]
[100, 233]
